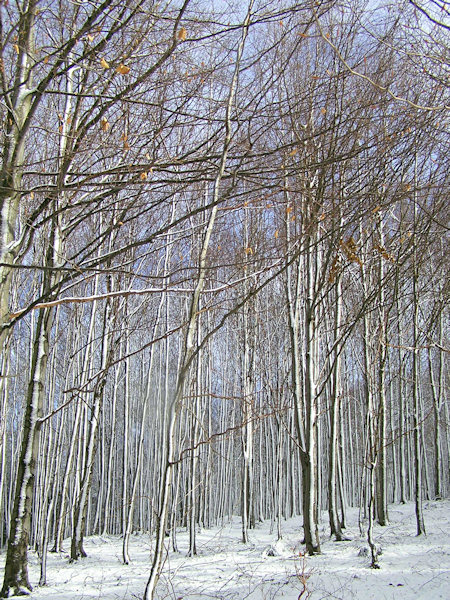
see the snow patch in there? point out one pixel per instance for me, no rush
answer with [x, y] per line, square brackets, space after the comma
[279, 548]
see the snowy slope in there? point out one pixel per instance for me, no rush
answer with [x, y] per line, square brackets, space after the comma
[411, 567]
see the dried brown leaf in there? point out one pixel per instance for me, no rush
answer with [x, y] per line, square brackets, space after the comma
[123, 69]
[182, 34]
[104, 124]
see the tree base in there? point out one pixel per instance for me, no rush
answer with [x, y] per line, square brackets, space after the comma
[18, 591]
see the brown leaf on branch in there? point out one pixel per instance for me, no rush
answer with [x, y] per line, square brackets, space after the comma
[104, 124]
[334, 270]
[349, 248]
[122, 69]
[182, 34]
[384, 253]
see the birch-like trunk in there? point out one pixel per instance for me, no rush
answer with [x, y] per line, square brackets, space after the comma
[16, 565]
[18, 107]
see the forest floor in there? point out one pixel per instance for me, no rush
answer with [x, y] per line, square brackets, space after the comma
[410, 567]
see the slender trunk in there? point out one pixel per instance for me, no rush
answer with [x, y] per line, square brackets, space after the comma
[437, 406]
[195, 421]
[415, 383]
[402, 415]
[189, 350]
[311, 352]
[110, 468]
[279, 477]
[5, 365]
[335, 525]
[371, 509]
[372, 444]
[126, 429]
[81, 506]
[247, 433]
[381, 478]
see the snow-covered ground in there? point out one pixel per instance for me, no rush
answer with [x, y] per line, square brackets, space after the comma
[411, 567]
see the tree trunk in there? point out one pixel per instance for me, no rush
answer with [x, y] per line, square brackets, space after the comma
[247, 432]
[81, 503]
[415, 383]
[189, 350]
[335, 525]
[381, 477]
[16, 568]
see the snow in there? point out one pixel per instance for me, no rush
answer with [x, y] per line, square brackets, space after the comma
[265, 569]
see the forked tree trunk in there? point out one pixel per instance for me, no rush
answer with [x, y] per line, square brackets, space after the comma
[311, 356]
[305, 391]
[18, 105]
